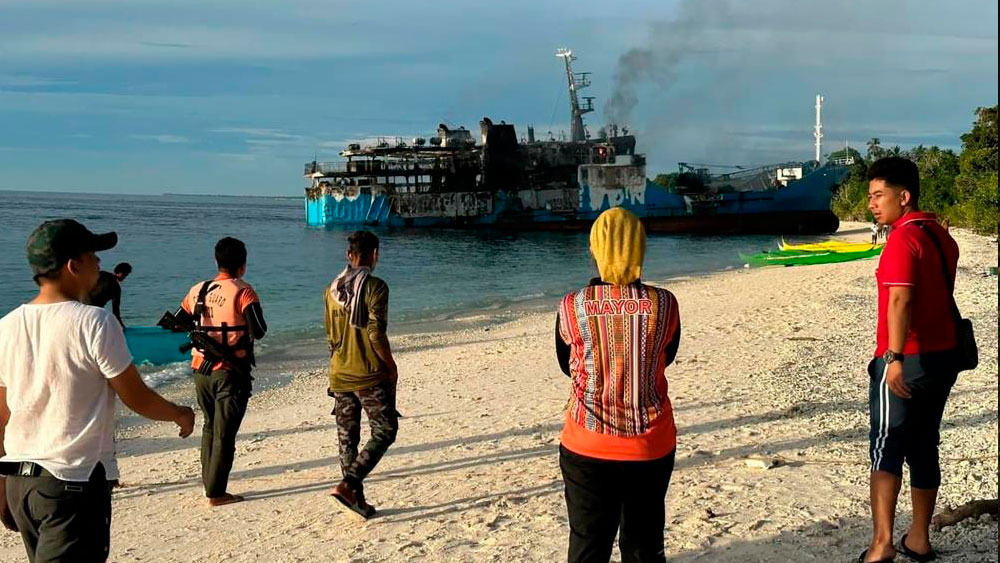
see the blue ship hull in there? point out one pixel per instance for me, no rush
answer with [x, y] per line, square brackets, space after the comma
[803, 206]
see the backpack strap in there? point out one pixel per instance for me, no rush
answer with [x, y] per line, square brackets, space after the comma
[948, 280]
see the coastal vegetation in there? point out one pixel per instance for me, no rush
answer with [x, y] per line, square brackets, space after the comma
[960, 187]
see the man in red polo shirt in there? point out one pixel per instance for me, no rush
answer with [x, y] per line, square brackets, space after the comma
[913, 368]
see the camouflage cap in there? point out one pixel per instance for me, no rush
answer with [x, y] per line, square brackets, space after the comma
[53, 243]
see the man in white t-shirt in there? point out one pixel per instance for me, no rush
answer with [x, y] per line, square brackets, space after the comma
[61, 365]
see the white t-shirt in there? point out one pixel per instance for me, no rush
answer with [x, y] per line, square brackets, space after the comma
[55, 361]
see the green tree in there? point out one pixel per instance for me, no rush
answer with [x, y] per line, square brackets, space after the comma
[875, 150]
[976, 183]
[845, 153]
[962, 187]
[666, 180]
[851, 200]
[938, 168]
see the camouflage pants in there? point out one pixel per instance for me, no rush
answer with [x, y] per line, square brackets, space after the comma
[379, 403]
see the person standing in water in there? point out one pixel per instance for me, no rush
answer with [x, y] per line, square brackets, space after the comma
[614, 339]
[363, 372]
[109, 288]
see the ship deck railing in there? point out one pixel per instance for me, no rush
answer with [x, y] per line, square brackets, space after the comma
[367, 168]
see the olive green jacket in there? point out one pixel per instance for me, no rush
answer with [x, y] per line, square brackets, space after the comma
[354, 364]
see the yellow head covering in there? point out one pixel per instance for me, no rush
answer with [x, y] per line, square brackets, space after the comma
[618, 243]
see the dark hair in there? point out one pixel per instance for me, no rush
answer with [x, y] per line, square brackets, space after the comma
[898, 172]
[230, 254]
[362, 243]
[123, 268]
[51, 275]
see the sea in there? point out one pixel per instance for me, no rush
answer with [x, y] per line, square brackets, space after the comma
[433, 275]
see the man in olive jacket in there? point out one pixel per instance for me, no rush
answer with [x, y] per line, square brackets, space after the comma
[362, 371]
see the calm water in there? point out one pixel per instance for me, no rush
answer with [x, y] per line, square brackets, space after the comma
[169, 240]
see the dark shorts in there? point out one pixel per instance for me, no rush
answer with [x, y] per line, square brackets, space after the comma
[908, 430]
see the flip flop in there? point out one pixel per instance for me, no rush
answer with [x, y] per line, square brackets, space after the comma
[920, 557]
[861, 558]
[366, 511]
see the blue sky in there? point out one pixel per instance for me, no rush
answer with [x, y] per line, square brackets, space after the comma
[141, 96]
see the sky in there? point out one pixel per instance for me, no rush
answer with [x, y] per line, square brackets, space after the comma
[227, 97]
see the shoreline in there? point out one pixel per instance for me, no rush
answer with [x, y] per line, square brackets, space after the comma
[308, 341]
[771, 365]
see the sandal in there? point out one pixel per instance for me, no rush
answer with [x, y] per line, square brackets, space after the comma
[348, 498]
[920, 557]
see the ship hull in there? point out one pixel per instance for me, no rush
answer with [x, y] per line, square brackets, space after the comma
[801, 207]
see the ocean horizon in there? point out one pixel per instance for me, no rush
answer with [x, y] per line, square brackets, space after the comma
[432, 274]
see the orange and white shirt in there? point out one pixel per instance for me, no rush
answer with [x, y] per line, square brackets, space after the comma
[621, 339]
[225, 305]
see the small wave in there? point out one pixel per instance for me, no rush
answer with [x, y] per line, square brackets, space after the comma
[527, 297]
[158, 376]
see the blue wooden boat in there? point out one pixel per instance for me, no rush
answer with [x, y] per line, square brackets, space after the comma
[155, 345]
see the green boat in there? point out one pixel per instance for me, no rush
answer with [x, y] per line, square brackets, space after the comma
[804, 257]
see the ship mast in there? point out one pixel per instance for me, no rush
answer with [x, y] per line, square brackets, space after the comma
[576, 81]
[818, 129]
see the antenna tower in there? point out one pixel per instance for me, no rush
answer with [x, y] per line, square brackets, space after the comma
[577, 81]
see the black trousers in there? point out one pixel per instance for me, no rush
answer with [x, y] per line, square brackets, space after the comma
[62, 521]
[909, 429]
[223, 396]
[607, 497]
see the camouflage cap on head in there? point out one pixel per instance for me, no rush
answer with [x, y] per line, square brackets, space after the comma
[53, 243]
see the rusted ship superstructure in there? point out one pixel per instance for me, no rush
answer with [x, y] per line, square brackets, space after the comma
[496, 179]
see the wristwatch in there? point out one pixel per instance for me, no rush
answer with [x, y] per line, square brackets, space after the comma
[891, 356]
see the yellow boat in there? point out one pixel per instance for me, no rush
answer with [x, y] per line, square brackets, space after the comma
[830, 246]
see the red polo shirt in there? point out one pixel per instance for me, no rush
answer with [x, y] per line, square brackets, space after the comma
[911, 258]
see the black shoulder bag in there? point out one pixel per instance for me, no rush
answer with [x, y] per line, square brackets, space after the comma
[966, 351]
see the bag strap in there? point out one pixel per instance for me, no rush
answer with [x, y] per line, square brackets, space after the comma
[948, 280]
[199, 306]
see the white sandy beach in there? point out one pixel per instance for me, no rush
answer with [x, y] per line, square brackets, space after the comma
[771, 364]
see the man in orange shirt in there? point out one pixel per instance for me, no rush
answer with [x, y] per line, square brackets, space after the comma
[227, 309]
[615, 338]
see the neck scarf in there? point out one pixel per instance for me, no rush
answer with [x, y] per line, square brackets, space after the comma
[346, 291]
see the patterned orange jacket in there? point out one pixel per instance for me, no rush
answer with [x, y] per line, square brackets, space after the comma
[615, 343]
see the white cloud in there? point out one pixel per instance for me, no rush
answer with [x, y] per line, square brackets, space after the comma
[165, 139]
[162, 42]
[271, 142]
[30, 81]
[271, 134]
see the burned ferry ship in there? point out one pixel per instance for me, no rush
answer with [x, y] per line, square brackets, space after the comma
[450, 180]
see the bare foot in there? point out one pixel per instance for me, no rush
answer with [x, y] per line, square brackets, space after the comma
[225, 499]
[879, 553]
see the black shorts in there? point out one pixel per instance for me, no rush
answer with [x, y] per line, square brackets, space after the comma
[908, 430]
